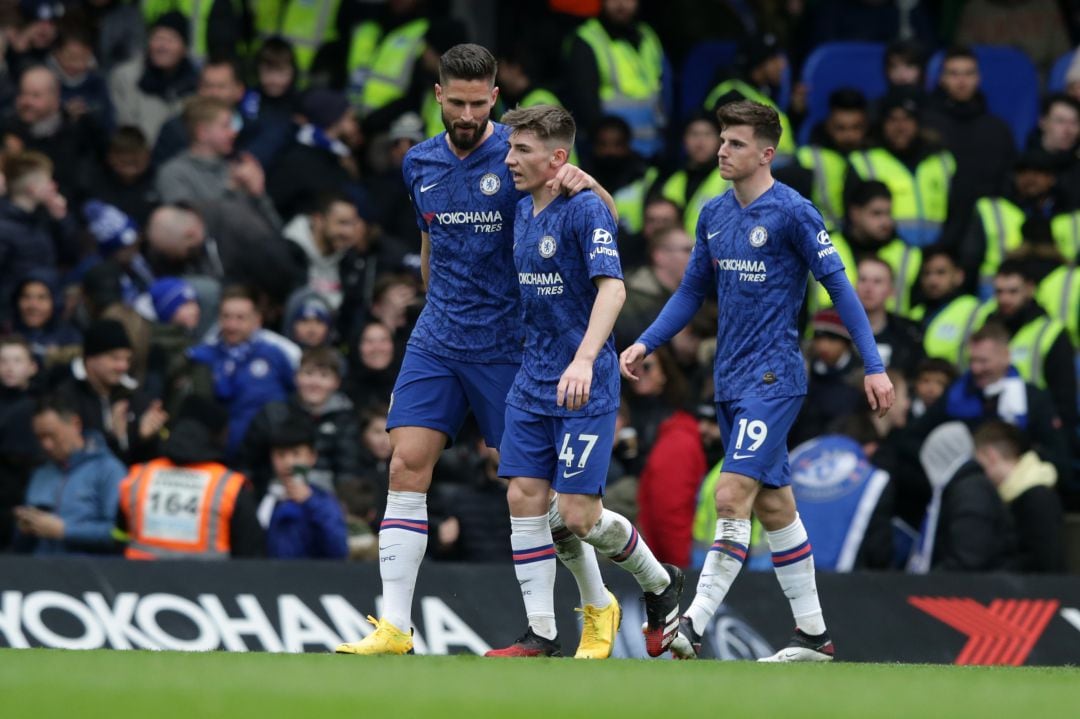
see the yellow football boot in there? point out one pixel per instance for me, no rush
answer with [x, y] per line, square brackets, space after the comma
[598, 630]
[386, 639]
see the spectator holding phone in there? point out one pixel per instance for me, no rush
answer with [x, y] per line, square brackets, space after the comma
[303, 521]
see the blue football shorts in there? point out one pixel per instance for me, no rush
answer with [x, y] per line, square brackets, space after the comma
[573, 453]
[437, 393]
[754, 431]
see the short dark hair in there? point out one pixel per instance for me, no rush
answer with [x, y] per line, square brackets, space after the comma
[1014, 266]
[1002, 436]
[992, 331]
[326, 358]
[293, 430]
[374, 411]
[938, 365]
[467, 61]
[909, 51]
[764, 120]
[127, 140]
[240, 292]
[962, 51]
[277, 53]
[848, 98]
[325, 201]
[939, 250]
[17, 341]
[1058, 98]
[225, 61]
[550, 123]
[614, 122]
[56, 402]
[865, 192]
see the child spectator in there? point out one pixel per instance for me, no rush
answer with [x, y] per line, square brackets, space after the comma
[331, 413]
[932, 378]
[303, 521]
[309, 319]
[275, 66]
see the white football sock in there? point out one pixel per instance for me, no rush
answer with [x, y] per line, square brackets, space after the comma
[616, 538]
[793, 562]
[403, 538]
[579, 558]
[534, 565]
[722, 565]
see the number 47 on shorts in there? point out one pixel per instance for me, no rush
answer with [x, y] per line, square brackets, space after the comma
[566, 454]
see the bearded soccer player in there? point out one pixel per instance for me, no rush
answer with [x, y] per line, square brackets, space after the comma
[560, 413]
[467, 344]
[754, 246]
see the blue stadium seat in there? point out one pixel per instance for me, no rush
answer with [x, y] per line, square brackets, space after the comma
[699, 71]
[1056, 81]
[1009, 82]
[834, 65]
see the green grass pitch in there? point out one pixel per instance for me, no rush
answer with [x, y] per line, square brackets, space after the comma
[39, 684]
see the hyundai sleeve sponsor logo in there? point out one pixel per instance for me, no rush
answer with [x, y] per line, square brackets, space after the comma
[600, 236]
[823, 238]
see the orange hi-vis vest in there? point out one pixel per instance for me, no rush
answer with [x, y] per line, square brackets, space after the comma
[179, 512]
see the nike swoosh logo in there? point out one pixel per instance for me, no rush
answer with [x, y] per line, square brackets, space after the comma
[425, 188]
[742, 456]
[388, 546]
[568, 475]
[708, 236]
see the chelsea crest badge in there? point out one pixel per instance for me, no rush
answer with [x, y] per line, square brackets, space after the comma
[758, 236]
[547, 246]
[490, 183]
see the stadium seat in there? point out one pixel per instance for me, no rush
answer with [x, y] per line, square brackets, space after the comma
[699, 72]
[834, 65]
[1009, 82]
[1056, 81]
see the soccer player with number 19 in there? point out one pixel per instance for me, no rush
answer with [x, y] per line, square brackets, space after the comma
[755, 244]
[560, 412]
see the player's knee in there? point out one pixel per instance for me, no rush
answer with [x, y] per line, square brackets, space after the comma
[526, 500]
[409, 472]
[731, 502]
[579, 519]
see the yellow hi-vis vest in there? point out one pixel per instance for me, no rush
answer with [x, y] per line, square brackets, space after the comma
[786, 146]
[674, 189]
[1029, 347]
[830, 169]
[380, 73]
[1001, 221]
[1059, 294]
[818, 297]
[630, 200]
[905, 261]
[920, 200]
[947, 333]
[630, 81]
[305, 24]
[1066, 231]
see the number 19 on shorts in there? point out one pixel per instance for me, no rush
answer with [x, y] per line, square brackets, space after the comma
[585, 443]
[755, 429]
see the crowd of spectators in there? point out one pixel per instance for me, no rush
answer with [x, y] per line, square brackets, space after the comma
[209, 268]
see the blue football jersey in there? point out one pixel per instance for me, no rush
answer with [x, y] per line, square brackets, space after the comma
[757, 257]
[467, 207]
[557, 254]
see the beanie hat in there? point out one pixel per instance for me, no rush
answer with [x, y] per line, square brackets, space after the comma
[323, 107]
[828, 322]
[112, 229]
[314, 309]
[170, 294]
[175, 21]
[105, 336]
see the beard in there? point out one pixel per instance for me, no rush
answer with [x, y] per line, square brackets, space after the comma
[464, 137]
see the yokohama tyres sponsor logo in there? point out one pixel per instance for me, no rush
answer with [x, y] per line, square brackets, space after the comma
[468, 217]
[1002, 632]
